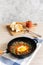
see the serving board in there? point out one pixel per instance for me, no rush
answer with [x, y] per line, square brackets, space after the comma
[13, 33]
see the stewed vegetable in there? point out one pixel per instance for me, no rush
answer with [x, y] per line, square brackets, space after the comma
[20, 48]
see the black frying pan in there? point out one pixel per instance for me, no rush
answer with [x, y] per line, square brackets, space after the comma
[32, 42]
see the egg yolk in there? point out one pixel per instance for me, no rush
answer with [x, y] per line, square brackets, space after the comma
[22, 48]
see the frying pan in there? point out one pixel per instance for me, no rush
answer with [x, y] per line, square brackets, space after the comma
[32, 42]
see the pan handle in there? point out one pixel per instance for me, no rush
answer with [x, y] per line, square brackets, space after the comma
[37, 40]
[7, 51]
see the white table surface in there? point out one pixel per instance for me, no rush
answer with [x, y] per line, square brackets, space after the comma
[5, 37]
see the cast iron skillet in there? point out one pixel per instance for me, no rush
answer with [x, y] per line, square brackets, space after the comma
[29, 41]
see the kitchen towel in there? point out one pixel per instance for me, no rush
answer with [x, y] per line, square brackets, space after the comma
[5, 61]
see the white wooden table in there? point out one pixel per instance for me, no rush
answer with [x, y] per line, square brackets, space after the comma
[5, 37]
